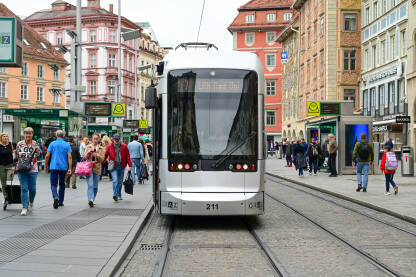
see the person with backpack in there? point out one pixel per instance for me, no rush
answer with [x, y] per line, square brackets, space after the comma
[313, 153]
[389, 166]
[364, 152]
[299, 157]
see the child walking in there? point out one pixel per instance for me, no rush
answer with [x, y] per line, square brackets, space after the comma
[389, 165]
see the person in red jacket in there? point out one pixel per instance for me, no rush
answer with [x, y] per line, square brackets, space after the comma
[118, 153]
[388, 174]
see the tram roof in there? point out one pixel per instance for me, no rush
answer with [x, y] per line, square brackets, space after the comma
[191, 58]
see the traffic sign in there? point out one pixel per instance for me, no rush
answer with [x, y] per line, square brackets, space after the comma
[313, 108]
[118, 109]
[283, 56]
[11, 37]
[143, 124]
[402, 119]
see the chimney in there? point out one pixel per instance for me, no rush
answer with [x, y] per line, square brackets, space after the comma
[111, 8]
[95, 4]
[59, 6]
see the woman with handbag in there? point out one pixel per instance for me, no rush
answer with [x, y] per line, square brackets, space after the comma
[6, 163]
[94, 153]
[106, 141]
[27, 152]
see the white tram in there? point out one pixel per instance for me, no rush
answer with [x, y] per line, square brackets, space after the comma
[208, 132]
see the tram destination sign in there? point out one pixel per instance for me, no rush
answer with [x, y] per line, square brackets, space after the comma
[331, 109]
[98, 109]
[130, 123]
[402, 119]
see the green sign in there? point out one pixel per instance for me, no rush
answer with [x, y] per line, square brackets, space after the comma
[7, 40]
[316, 108]
[105, 109]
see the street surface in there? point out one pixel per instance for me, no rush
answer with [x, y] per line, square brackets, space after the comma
[310, 234]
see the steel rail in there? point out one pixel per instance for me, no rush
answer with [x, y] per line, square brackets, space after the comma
[373, 260]
[343, 206]
[276, 265]
[165, 250]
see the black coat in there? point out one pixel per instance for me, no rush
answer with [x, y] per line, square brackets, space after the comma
[310, 150]
[300, 161]
[76, 157]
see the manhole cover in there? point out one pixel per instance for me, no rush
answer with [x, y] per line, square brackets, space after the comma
[151, 247]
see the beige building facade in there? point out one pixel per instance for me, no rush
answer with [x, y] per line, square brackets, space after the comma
[411, 76]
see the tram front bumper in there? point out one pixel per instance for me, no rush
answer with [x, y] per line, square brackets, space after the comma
[212, 203]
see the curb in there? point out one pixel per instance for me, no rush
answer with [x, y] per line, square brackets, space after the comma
[116, 260]
[362, 203]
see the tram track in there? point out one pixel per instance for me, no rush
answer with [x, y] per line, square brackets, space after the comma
[274, 264]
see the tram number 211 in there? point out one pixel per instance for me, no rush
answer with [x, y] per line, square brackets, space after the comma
[212, 207]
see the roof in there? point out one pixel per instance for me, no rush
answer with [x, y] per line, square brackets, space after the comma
[34, 39]
[289, 30]
[48, 14]
[297, 4]
[266, 4]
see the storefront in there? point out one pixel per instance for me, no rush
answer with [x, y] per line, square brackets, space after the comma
[382, 130]
[45, 122]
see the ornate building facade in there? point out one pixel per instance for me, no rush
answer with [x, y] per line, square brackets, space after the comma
[411, 72]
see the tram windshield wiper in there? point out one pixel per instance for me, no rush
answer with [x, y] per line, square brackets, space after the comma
[225, 157]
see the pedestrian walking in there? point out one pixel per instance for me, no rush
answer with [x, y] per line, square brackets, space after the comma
[149, 147]
[332, 155]
[6, 164]
[76, 157]
[389, 143]
[288, 154]
[105, 142]
[95, 153]
[118, 153]
[276, 149]
[313, 153]
[27, 152]
[59, 154]
[270, 149]
[305, 146]
[284, 146]
[137, 157]
[364, 152]
[388, 166]
[299, 156]
[325, 154]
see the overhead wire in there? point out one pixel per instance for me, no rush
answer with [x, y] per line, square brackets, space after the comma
[200, 21]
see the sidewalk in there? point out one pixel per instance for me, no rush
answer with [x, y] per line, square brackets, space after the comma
[403, 205]
[74, 240]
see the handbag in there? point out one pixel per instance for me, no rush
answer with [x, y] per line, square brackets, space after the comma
[128, 184]
[25, 164]
[110, 166]
[84, 168]
[144, 172]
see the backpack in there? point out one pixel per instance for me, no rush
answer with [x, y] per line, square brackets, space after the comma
[364, 150]
[150, 150]
[26, 163]
[315, 151]
[391, 161]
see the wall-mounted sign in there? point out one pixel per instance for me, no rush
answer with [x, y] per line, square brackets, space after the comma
[11, 36]
[98, 109]
[143, 124]
[130, 123]
[313, 108]
[118, 109]
[381, 128]
[402, 119]
[331, 109]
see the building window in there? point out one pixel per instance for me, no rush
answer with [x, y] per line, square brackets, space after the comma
[93, 87]
[373, 98]
[350, 22]
[349, 59]
[3, 70]
[314, 68]
[142, 93]
[112, 36]
[270, 60]
[287, 16]
[250, 38]
[301, 76]
[271, 17]
[40, 97]
[270, 118]
[112, 60]
[250, 18]
[56, 75]
[271, 88]
[383, 52]
[383, 6]
[3, 89]
[322, 63]
[315, 31]
[111, 87]
[309, 38]
[403, 43]
[40, 71]
[367, 60]
[23, 92]
[25, 69]
[59, 39]
[270, 37]
[56, 98]
[322, 27]
[381, 96]
[93, 60]
[393, 46]
[93, 36]
[367, 15]
[374, 56]
[392, 94]
[308, 71]
[375, 10]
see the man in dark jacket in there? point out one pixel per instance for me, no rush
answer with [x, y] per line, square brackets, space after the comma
[288, 154]
[75, 159]
[313, 153]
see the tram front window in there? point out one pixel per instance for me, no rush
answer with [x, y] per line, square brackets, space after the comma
[210, 112]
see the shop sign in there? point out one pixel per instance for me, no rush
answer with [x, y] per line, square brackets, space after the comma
[127, 130]
[143, 124]
[381, 128]
[381, 75]
[118, 109]
[402, 119]
[313, 108]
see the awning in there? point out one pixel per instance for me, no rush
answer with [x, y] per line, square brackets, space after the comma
[376, 123]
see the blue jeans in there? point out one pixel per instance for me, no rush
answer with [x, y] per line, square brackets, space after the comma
[58, 175]
[117, 174]
[27, 182]
[288, 160]
[360, 167]
[92, 182]
[137, 169]
[300, 171]
[313, 162]
[389, 180]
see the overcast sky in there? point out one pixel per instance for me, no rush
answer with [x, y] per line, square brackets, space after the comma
[173, 21]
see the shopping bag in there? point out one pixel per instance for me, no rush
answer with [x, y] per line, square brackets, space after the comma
[128, 184]
[144, 173]
[84, 168]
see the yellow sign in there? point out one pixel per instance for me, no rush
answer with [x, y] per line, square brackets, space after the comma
[118, 109]
[143, 124]
[313, 108]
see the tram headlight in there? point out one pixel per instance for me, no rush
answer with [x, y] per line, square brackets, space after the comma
[180, 166]
[238, 166]
[195, 167]
[230, 167]
[187, 166]
[245, 166]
